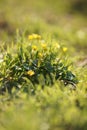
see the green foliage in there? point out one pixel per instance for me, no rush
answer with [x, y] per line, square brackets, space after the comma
[35, 63]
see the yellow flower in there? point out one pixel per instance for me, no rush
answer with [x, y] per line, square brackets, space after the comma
[34, 48]
[30, 37]
[39, 37]
[57, 45]
[40, 55]
[30, 72]
[65, 49]
[34, 36]
[44, 46]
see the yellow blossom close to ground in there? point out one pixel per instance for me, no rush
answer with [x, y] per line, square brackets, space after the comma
[34, 47]
[30, 72]
[44, 46]
[34, 36]
[57, 45]
[30, 37]
[40, 55]
[65, 49]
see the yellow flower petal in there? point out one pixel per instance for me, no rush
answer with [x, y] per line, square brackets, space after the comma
[57, 45]
[44, 46]
[39, 37]
[65, 49]
[34, 48]
[30, 37]
[34, 36]
[30, 72]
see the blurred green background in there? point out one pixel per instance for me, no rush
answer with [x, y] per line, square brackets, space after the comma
[37, 15]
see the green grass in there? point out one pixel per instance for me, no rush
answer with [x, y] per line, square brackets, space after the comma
[37, 100]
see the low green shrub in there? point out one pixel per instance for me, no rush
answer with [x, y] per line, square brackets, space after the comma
[35, 61]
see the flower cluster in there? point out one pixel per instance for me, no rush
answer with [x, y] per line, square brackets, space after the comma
[34, 36]
[36, 62]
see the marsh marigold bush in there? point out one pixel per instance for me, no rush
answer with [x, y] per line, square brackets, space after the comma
[39, 66]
